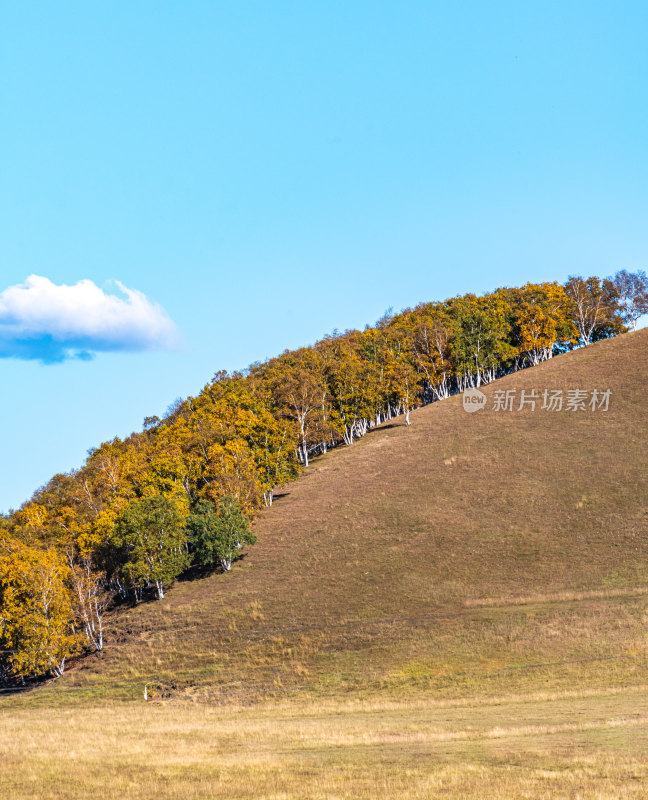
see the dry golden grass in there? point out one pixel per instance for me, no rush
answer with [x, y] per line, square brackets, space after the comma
[509, 747]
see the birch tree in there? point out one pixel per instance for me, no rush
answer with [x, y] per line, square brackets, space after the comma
[432, 334]
[296, 384]
[151, 536]
[90, 600]
[594, 308]
[481, 343]
[36, 611]
[632, 296]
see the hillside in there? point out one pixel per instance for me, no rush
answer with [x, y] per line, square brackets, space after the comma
[465, 552]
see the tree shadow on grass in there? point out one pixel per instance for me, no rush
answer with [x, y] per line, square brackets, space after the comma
[279, 496]
[384, 427]
[198, 572]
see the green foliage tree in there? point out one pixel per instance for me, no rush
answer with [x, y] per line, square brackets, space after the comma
[151, 535]
[217, 535]
[481, 346]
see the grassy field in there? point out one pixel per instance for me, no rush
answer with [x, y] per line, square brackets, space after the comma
[579, 744]
[457, 608]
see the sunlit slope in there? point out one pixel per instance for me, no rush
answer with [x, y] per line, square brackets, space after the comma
[465, 552]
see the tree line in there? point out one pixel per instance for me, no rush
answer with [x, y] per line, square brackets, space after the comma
[179, 494]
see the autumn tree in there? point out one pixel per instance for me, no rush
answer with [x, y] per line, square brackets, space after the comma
[401, 379]
[352, 381]
[541, 316]
[36, 610]
[632, 295]
[90, 599]
[236, 441]
[295, 386]
[431, 347]
[594, 308]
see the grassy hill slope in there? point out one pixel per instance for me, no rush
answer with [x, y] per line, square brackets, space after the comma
[467, 552]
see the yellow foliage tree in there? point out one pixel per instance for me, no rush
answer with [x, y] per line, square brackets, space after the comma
[36, 610]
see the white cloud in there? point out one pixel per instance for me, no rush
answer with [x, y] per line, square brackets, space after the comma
[43, 321]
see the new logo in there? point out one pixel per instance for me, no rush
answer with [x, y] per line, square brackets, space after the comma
[473, 400]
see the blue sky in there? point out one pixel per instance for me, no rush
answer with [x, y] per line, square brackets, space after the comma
[268, 172]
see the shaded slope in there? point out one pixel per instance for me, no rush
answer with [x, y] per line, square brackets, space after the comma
[490, 540]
